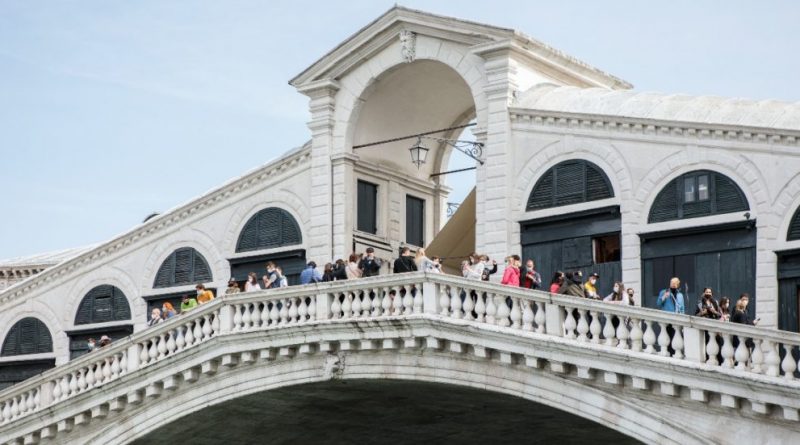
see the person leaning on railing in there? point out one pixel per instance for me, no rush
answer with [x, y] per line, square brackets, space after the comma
[708, 307]
[203, 295]
[671, 299]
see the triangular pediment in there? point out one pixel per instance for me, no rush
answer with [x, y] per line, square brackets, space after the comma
[384, 30]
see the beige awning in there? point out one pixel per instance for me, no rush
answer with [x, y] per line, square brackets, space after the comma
[456, 240]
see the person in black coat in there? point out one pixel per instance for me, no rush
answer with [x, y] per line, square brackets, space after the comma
[405, 263]
[369, 265]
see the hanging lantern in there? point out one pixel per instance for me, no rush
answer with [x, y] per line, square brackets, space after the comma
[419, 154]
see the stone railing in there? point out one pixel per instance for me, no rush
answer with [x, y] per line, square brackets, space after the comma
[767, 356]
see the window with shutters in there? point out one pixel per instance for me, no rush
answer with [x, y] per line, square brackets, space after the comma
[570, 182]
[103, 304]
[415, 221]
[27, 336]
[794, 227]
[696, 194]
[269, 229]
[184, 266]
[367, 208]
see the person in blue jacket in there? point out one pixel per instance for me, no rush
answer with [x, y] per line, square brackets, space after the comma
[671, 299]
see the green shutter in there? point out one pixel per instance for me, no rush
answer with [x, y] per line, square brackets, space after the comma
[102, 304]
[794, 227]
[724, 197]
[569, 182]
[268, 229]
[27, 336]
[184, 266]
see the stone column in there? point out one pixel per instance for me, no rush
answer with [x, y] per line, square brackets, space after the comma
[319, 233]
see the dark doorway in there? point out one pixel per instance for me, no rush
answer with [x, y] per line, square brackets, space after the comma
[12, 373]
[789, 290]
[587, 241]
[292, 263]
[79, 338]
[721, 257]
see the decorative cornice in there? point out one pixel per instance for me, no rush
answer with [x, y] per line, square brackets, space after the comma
[157, 225]
[644, 126]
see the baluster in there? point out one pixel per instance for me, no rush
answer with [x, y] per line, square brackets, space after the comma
[115, 365]
[594, 327]
[788, 365]
[82, 379]
[649, 337]
[180, 340]
[302, 310]
[772, 359]
[570, 323]
[503, 311]
[5, 413]
[255, 315]
[608, 331]
[215, 322]
[312, 307]
[623, 335]
[98, 373]
[418, 301]
[275, 315]
[397, 302]
[480, 307]
[162, 346]
[540, 317]
[106, 370]
[347, 306]
[469, 305]
[516, 314]
[491, 309]
[238, 317]
[293, 310]
[90, 379]
[65, 386]
[376, 303]
[727, 351]
[444, 300]
[677, 342]
[336, 307]
[14, 408]
[527, 315]
[712, 349]
[284, 311]
[408, 301]
[198, 330]
[583, 326]
[123, 363]
[355, 305]
[171, 346]
[264, 314]
[246, 316]
[386, 303]
[636, 335]
[153, 352]
[56, 389]
[663, 341]
[742, 355]
[189, 334]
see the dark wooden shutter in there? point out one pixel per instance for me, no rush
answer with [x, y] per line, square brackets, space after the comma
[729, 197]
[724, 197]
[269, 228]
[794, 227]
[103, 304]
[415, 221]
[367, 207]
[184, 266]
[570, 182]
[27, 336]
[201, 271]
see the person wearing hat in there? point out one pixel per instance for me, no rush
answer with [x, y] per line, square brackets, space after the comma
[590, 286]
[310, 274]
[188, 303]
[370, 265]
[233, 287]
[104, 341]
[572, 285]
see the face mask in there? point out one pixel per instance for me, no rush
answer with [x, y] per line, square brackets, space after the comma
[593, 280]
[616, 289]
[90, 345]
[199, 292]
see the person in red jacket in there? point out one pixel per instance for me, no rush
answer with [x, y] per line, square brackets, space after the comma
[511, 274]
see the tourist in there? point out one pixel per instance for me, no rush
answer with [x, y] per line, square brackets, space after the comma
[671, 299]
[203, 295]
[168, 310]
[155, 317]
[556, 282]
[488, 271]
[188, 303]
[352, 269]
[631, 300]
[233, 287]
[310, 274]
[708, 307]
[531, 278]
[472, 268]
[369, 265]
[327, 273]
[511, 274]
[590, 287]
[724, 309]
[271, 278]
[282, 280]
[339, 270]
[436, 264]
[423, 262]
[91, 344]
[105, 340]
[252, 283]
[617, 294]
[573, 285]
[405, 263]
[740, 314]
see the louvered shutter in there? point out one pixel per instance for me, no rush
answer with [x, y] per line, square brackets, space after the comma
[794, 227]
[27, 336]
[569, 182]
[103, 304]
[290, 234]
[121, 308]
[542, 195]
[597, 186]
[183, 266]
[165, 273]
[729, 197]
[724, 197]
[267, 229]
[202, 272]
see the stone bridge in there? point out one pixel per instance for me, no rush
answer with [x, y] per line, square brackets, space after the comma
[441, 338]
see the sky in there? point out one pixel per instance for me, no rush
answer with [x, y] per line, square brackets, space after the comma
[112, 110]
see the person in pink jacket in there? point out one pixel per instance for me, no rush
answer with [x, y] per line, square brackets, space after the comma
[511, 274]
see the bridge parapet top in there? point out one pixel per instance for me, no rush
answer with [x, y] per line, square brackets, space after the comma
[761, 355]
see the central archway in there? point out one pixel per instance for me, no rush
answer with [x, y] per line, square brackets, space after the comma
[382, 411]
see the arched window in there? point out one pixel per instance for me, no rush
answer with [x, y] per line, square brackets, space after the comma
[695, 194]
[184, 266]
[570, 182]
[268, 229]
[794, 227]
[103, 304]
[27, 336]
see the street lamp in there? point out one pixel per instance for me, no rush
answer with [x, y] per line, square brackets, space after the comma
[419, 154]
